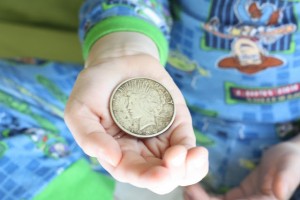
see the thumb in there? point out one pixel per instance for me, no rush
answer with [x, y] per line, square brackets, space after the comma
[100, 145]
[286, 180]
[90, 135]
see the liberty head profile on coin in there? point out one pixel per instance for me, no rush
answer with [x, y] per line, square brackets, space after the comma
[142, 107]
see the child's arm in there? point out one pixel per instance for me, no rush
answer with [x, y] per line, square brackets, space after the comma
[160, 163]
[276, 177]
[120, 44]
[101, 17]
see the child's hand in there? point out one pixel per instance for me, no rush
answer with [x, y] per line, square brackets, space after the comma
[277, 176]
[161, 163]
[196, 192]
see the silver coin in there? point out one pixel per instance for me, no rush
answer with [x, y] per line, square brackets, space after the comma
[142, 107]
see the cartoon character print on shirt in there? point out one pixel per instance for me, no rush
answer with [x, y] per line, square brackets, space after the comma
[258, 29]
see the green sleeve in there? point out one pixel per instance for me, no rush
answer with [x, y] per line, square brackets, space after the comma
[127, 23]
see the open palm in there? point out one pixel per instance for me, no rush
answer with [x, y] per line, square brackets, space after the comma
[160, 163]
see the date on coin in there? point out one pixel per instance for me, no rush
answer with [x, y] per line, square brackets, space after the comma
[142, 107]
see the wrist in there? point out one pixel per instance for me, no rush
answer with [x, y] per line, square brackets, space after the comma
[119, 44]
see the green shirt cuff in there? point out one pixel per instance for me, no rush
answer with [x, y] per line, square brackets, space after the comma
[126, 23]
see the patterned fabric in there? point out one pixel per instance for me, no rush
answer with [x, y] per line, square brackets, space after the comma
[234, 148]
[153, 11]
[238, 60]
[35, 144]
[244, 51]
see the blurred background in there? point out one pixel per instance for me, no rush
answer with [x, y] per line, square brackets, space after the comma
[40, 29]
